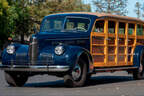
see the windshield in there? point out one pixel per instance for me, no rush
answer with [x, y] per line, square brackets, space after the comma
[65, 24]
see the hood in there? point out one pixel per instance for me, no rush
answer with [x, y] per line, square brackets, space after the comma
[50, 39]
[61, 35]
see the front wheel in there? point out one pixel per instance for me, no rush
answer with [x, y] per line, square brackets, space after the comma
[77, 76]
[16, 79]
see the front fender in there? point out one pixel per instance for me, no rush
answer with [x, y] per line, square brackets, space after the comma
[21, 53]
[73, 54]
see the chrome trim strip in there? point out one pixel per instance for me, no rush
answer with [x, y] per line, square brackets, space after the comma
[35, 68]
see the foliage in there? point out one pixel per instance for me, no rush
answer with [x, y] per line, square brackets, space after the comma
[23, 22]
[18, 16]
[42, 8]
[111, 6]
[138, 9]
[142, 9]
[14, 19]
[4, 12]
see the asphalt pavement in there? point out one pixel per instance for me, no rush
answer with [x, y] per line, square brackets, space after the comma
[101, 84]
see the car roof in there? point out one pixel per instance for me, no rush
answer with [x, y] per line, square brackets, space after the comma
[106, 15]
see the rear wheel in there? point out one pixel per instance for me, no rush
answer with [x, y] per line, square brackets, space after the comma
[77, 76]
[16, 79]
[138, 73]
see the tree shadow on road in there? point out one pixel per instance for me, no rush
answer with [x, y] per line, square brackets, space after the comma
[97, 80]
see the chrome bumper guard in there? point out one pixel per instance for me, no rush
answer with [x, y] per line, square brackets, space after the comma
[35, 68]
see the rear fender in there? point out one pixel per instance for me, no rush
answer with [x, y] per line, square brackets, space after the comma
[137, 54]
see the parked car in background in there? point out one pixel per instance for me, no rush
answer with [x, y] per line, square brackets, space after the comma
[76, 45]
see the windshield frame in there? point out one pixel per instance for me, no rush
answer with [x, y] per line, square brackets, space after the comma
[64, 23]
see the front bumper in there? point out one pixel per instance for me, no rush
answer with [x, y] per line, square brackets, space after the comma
[33, 68]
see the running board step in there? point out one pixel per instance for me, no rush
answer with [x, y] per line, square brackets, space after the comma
[113, 69]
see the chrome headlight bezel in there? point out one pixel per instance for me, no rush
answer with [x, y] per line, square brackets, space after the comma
[10, 49]
[59, 50]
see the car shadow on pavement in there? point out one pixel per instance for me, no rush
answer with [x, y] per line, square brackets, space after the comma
[52, 84]
[101, 80]
[97, 80]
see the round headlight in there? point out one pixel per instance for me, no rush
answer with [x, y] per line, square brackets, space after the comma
[10, 49]
[59, 50]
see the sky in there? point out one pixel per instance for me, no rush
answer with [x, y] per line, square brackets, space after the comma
[130, 6]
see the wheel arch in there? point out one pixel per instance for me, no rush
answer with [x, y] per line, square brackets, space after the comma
[137, 55]
[86, 56]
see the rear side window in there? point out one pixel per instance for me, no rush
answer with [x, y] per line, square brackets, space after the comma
[140, 29]
[131, 29]
[99, 26]
[121, 28]
[111, 27]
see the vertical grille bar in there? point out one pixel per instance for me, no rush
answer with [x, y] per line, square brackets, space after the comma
[33, 50]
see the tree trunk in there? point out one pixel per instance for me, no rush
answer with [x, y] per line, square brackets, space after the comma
[22, 38]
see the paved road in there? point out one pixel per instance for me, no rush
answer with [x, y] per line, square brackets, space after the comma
[102, 84]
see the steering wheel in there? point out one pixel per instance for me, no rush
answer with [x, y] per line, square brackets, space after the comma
[79, 28]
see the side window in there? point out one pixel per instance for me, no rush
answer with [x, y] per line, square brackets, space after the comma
[111, 27]
[99, 26]
[80, 24]
[140, 30]
[69, 25]
[121, 28]
[131, 29]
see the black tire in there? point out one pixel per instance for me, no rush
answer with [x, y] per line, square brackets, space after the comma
[69, 80]
[16, 79]
[88, 77]
[138, 73]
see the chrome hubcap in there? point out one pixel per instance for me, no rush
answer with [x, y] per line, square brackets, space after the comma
[76, 73]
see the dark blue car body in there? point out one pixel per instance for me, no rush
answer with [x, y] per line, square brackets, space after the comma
[75, 44]
[65, 49]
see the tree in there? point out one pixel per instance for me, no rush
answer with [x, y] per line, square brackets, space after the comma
[7, 17]
[23, 22]
[138, 9]
[111, 6]
[19, 16]
[41, 8]
[142, 10]
[14, 18]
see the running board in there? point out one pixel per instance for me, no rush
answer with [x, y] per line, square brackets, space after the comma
[113, 69]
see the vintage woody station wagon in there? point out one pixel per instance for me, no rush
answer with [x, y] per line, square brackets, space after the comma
[76, 45]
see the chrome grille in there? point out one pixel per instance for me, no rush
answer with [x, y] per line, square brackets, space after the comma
[33, 50]
[47, 58]
[21, 59]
